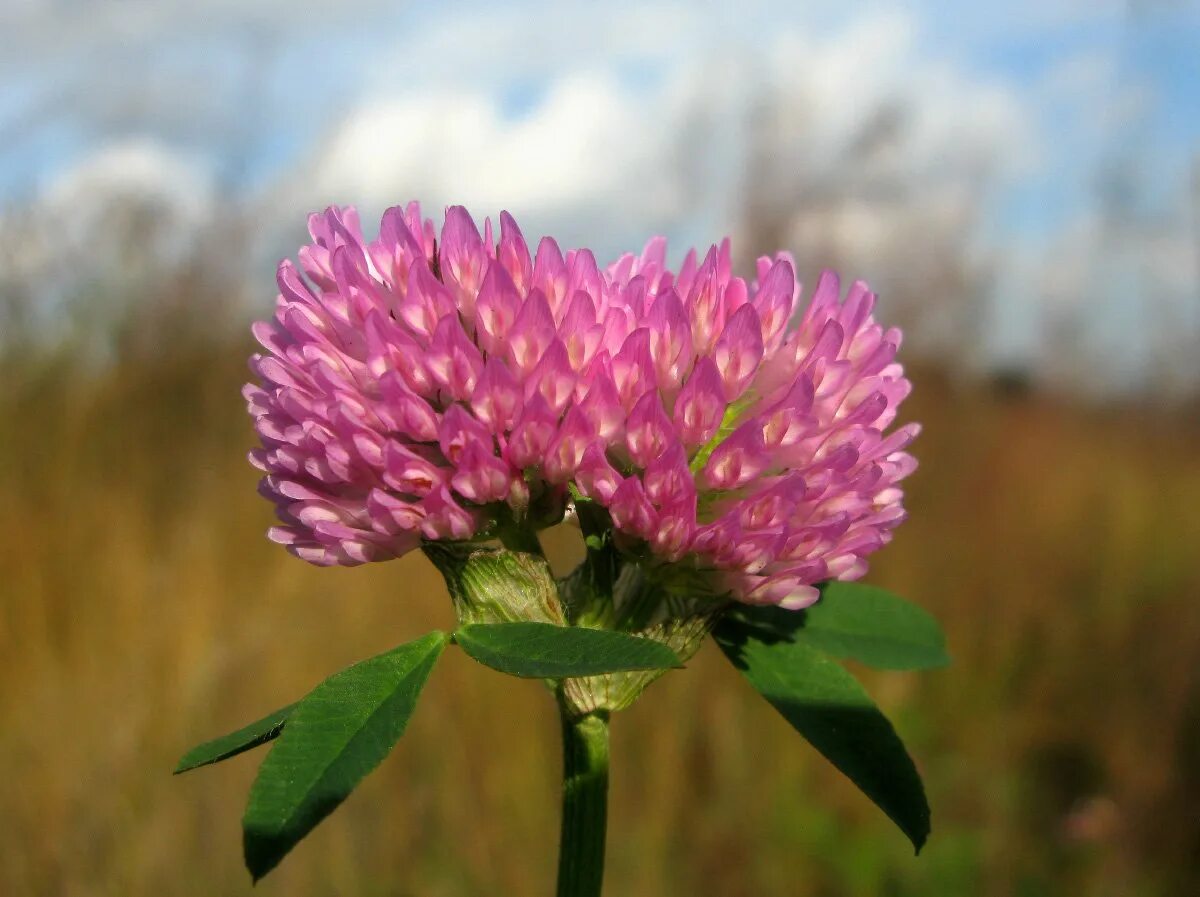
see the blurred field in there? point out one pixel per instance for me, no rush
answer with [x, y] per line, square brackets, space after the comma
[141, 610]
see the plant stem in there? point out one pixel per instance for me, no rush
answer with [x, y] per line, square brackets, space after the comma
[520, 538]
[584, 804]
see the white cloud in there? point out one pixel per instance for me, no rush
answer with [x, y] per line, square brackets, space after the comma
[600, 151]
[574, 148]
[124, 213]
[133, 172]
[1119, 310]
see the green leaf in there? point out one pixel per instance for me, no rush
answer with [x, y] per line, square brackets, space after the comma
[251, 736]
[826, 705]
[869, 625]
[334, 737]
[546, 651]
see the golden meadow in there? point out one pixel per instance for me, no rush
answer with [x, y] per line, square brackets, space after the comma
[142, 610]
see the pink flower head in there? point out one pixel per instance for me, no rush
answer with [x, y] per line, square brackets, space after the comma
[420, 388]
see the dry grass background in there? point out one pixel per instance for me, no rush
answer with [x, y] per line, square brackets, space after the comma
[141, 610]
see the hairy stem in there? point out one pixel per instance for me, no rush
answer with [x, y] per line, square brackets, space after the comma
[584, 804]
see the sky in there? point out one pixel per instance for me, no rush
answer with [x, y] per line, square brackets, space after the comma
[1063, 135]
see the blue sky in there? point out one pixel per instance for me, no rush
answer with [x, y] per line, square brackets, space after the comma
[571, 112]
[86, 74]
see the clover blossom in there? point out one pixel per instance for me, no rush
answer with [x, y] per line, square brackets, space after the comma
[443, 387]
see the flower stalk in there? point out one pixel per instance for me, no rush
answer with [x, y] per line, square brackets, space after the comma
[584, 803]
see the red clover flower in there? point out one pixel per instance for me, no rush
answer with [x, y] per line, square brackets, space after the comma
[423, 387]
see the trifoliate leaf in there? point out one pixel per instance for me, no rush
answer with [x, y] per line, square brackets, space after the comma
[546, 651]
[826, 705]
[862, 623]
[334, 737]
[251, 736]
